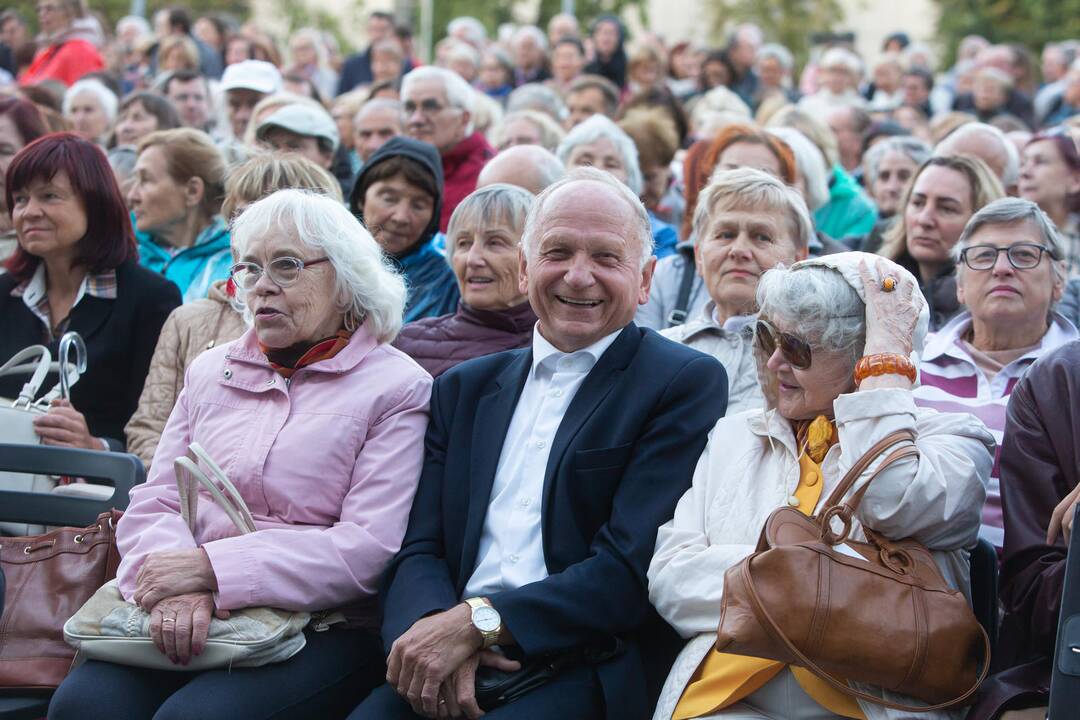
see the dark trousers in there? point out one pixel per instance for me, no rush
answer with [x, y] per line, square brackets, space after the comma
[573, 695]
[334, 671]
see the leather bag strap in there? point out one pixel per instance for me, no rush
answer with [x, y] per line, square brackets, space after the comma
[767, 621]
[864, 462]
[41, 369]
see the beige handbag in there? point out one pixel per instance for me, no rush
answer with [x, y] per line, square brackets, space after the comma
[109, 628]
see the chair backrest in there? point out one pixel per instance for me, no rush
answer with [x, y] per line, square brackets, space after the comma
[984, 588]
[121, 470]
[1065, 678]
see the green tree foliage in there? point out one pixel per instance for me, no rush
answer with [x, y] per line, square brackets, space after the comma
[1028, 22]
[788, 22]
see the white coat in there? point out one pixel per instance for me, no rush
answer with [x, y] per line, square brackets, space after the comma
[750, 467]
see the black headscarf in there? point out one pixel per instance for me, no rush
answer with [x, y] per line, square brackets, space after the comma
[614, 66]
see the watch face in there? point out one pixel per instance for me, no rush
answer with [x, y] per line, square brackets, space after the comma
[486, 619]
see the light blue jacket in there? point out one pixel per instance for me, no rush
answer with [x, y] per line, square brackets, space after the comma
[194, 269]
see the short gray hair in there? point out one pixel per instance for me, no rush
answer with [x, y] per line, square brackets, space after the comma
[534, 33]
[810, 164]
[751, 188]
[473, 30]
[108, 101]
[535, 218]
[777, 52]
[828, 310]
[458, 92]
[538, 97]
[1013, 211]
[550, 132]
[375, 291]
[488, 205]
[601, 127]
[912, 148]
[1011, 173]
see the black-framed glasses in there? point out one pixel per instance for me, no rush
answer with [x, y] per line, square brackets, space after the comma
[1022, 256]
[284, 271]
[794, 349]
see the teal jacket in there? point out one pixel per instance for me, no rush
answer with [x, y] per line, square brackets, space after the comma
[849, 211]
[194, 269]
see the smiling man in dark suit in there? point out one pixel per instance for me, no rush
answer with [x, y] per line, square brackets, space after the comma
[547, 473]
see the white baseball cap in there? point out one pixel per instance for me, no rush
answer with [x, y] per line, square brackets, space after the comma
[257, 75]
[302, 119]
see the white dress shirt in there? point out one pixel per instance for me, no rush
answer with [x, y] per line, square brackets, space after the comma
[511, 552]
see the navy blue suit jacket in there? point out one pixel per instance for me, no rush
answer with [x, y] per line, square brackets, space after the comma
[622, 457]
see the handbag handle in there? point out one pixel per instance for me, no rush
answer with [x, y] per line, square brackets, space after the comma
[778, 634]
[189, 473]
[30, 389]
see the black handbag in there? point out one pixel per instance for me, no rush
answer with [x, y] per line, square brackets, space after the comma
[495, 688]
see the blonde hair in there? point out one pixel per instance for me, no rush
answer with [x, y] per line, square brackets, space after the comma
[814, 129]
[191, 153]
[550, 132]
[985, 188]
[179, 44]
[752, 189]
[267, 172]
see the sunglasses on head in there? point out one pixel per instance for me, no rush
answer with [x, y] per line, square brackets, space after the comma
[795, 350]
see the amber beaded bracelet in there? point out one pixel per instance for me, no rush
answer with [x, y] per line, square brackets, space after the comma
[884, 364]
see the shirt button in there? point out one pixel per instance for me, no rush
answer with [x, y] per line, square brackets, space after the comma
[515, 558]
[793, 501]
[524, 502]
[540, 444]
[227, 373]
[811, 479]
[270, 381]
[556, 393]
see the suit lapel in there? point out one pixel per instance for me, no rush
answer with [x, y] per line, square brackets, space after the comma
[89, 315]
[494, 410]
[597, 384]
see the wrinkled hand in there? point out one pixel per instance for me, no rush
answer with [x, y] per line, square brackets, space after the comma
[457, 696]
[1062, 517]
[432, 649]
[173, 572]
[64, 426]
[890, 316]
[179, 625]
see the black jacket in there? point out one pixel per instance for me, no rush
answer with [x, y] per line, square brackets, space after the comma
[120, 338]
[623, 455]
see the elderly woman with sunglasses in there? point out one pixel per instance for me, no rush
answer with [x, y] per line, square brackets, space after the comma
[836, 340]
[1009, 276]
[319, 422]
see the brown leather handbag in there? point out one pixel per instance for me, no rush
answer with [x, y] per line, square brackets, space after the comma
[876, 612]
[48, 578]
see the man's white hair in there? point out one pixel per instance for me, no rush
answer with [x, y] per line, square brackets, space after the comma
[600, 127]
[458, 92]
[535, 220]
[373, 290]
[534, 33]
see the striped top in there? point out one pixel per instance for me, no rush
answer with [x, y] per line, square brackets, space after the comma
[952, 382]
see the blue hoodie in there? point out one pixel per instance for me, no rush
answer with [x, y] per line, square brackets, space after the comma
[194, 269]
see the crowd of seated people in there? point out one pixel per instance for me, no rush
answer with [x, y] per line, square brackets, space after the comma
[512, 351]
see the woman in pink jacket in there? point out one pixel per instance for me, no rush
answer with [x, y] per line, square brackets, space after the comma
[319, 422]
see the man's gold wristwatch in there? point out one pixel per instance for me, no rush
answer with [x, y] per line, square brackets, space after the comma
[486, 619]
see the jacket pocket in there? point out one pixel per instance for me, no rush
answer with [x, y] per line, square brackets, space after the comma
[603, 458]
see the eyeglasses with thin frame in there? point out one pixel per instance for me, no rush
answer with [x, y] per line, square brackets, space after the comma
[1022, 256]
[796, 351]
[284, 271]
[427, 107]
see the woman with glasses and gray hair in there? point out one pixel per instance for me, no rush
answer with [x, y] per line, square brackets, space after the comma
[483, 243]
[1009, 276]
[837, 339]
[320, 424]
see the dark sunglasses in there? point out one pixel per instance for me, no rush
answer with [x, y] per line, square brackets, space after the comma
[794, 349]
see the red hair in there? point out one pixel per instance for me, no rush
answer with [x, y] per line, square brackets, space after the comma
[25, 116]
[109, 240]
[704, 155]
